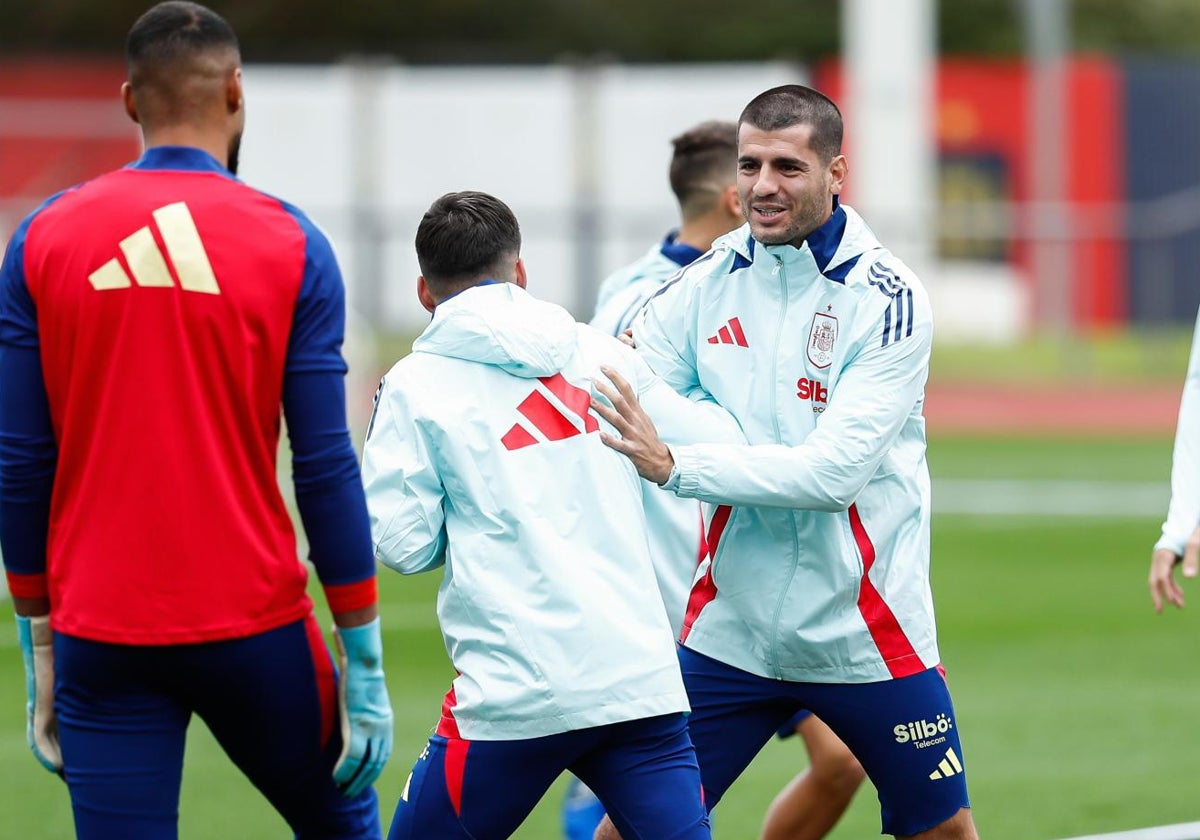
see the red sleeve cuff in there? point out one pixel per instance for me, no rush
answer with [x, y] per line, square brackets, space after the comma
[347, 597]
[27, 586]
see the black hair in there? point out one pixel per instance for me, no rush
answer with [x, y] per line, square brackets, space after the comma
[705, 160]
[173, 32]
[465, 237]
[788, 105]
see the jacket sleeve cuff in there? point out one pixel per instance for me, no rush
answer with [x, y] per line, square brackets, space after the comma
[685, 474]
[1171, 543]
[347, 597]
[28, 586]
[673, 479]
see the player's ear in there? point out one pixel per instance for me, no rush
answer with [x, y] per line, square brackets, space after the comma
[519, 276]
[424, 295]
[233, 91]
[730, 201]
[838, 169]
[129, 102]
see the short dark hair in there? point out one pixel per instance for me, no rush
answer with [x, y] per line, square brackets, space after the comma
[171, 32]
[465, 237]
[788, 105]
[705, 160]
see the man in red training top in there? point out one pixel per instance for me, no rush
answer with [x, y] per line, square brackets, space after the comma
[152, 322]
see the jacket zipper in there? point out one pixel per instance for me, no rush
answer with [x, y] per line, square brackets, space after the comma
[779, 336]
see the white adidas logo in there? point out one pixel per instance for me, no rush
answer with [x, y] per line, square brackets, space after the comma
[948, 766]
[147, 263]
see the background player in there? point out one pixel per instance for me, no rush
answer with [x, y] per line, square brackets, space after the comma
[1179, 544]
[482, 457]
[702, 177]
[816, 595]
[152, 321]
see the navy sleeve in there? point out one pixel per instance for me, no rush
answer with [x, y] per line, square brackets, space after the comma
[28, 451]
[329, 491]
[319, 322]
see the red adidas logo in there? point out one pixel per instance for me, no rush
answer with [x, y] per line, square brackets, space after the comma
[731, 333]
[547, 418]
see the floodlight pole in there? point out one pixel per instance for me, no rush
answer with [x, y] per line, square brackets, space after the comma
[585, 211]
[1047, 33]
[888, 51]
[367, 76]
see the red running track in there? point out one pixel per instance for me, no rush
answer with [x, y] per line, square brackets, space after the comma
[1048, 409]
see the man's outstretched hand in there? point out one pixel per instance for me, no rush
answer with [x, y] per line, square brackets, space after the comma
[638, 439]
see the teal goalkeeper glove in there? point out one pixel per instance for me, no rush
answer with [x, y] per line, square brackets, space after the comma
[364, 708]
[41, 726]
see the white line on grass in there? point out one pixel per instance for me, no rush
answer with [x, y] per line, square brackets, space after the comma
[1181, 831]
[986, 497]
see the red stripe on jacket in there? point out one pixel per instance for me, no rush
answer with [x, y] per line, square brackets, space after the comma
[895, 648]
[705, 589]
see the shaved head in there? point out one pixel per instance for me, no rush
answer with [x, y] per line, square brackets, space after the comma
[181, 58]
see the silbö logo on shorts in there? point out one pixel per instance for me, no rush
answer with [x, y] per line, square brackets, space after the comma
[923, 733]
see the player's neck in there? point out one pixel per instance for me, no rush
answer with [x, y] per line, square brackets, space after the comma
[701, 231]
[215, 143]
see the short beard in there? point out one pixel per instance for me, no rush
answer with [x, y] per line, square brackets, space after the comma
[815, 216]
[777, 237]
[235, 148]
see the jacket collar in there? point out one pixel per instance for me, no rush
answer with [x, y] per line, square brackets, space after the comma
[842, 238]
[184, 158]
[677, 252]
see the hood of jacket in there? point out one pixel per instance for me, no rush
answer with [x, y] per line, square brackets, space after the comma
[503, 325]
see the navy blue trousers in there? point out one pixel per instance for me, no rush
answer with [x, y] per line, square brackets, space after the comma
[270, 700]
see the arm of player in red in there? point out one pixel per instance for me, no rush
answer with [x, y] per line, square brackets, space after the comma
[333, 508]
[28, 458]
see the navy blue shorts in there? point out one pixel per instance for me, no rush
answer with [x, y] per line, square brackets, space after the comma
[270, 700]
[643, 771]
[902, 731]
[793, 723]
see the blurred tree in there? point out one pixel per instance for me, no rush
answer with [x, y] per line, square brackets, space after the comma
[474, 31]
[1120, 26]
[980, 27]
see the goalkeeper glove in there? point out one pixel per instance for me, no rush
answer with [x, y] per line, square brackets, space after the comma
[364, 708]
[41, 726]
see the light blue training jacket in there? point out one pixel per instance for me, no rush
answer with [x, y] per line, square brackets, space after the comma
[483, 456]
[818, 530]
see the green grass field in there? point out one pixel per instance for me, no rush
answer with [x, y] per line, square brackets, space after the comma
[1077, 705]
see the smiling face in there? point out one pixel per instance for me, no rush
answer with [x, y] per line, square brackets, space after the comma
[786, 190]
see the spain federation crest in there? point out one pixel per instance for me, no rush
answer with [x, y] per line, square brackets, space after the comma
[821, 339]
